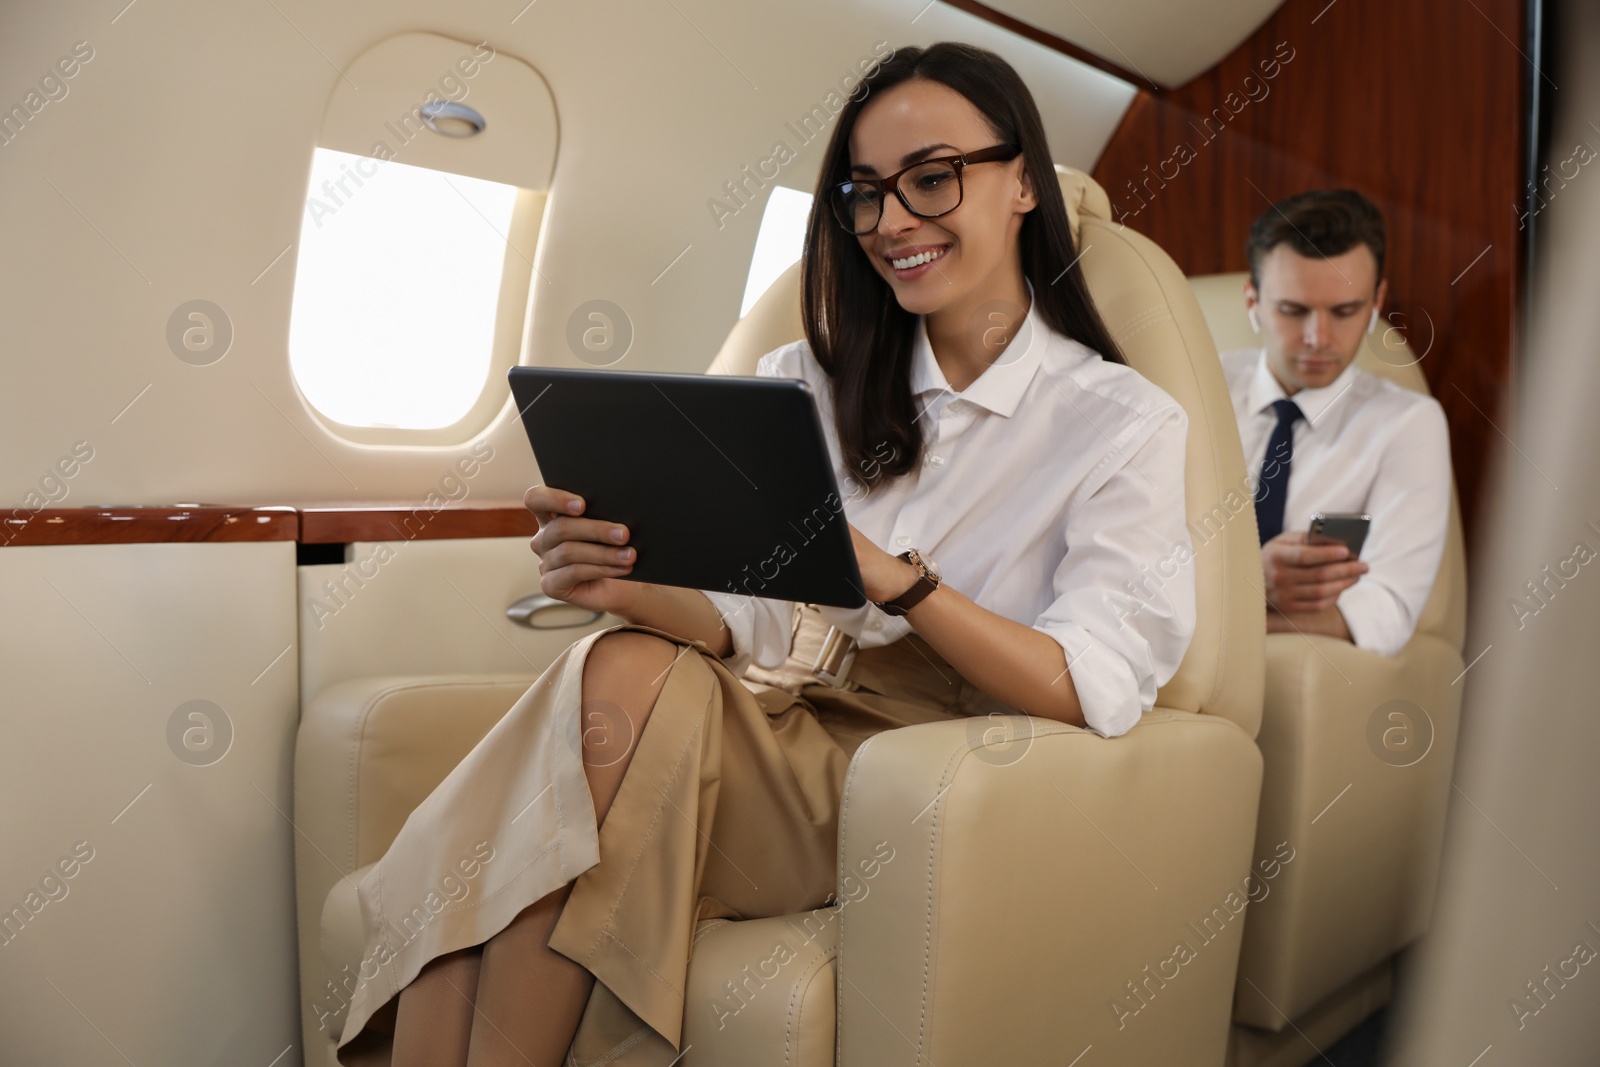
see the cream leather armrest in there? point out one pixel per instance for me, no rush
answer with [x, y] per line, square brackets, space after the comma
[1359, 750]
[367, 753]
[1019, 901]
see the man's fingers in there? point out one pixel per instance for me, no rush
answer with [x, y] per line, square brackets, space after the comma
[1315, 555]
[1310, 598]
[1288, 577]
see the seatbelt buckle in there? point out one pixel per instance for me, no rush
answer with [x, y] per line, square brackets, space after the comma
[834, 658]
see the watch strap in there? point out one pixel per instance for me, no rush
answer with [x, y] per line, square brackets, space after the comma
[926, 583]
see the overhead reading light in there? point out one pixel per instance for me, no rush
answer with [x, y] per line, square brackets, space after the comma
[451, 119]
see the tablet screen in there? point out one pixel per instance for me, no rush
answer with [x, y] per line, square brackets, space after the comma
[724, 482]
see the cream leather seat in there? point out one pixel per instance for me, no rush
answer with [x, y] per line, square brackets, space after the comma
[1032, 905]
[1319, 950]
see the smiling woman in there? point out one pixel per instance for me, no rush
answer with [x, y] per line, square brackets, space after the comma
[982, 413]
[1008, 230]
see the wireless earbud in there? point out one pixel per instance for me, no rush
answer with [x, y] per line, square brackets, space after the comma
[1255, 323]
[1373, 324]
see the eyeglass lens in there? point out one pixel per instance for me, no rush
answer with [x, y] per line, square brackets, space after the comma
[930, 189]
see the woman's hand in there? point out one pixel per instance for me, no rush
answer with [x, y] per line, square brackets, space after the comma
[580, 559]
[884, 576]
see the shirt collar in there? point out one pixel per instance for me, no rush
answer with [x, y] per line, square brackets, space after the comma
[1000, 387]
[1313, 403]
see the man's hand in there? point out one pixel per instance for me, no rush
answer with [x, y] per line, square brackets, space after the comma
[1306, 579]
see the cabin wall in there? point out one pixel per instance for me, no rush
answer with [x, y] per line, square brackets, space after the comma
[1421, 107]
[174, 168]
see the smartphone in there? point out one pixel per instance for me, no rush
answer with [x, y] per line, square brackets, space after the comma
[1348, 528]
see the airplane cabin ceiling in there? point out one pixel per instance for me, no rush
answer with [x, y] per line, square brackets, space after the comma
[1166, 42]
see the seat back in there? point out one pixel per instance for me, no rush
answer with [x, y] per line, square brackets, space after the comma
[1387, 354]
[1361, 885]
[1153, 316]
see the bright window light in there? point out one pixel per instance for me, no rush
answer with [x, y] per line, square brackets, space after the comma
[779, 242]
[396, 291]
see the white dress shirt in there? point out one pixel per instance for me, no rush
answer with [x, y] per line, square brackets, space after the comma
[1049, 486]
[1365, 445]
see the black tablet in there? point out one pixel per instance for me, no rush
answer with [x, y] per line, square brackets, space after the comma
[725, 483]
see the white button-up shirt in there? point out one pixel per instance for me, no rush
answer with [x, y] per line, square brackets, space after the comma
[1365, 445]
[1050, 490]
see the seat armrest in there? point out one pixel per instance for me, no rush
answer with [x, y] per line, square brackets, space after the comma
[1006, 891]
[1359, 750]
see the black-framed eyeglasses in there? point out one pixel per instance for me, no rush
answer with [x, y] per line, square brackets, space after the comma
[931, 188]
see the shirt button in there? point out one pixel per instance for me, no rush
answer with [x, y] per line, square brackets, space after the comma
[875, 624]
[903, 541]
[935, 461]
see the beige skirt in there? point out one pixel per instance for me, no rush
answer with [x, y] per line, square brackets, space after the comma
[729, 809]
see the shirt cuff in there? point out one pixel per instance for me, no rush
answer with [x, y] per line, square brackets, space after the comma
[1374, 619]
[762, 630]
[738, 614]
[1111, 696]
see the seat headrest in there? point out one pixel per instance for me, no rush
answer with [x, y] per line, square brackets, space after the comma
[1084, 197]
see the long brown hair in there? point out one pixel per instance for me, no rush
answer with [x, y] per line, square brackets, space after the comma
[858, 331]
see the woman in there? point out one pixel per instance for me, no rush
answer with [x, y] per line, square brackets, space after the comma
[977, 410]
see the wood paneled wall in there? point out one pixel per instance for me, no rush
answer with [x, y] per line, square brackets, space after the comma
[1420, 105]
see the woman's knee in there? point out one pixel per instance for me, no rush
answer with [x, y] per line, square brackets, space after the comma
[626, 660]
[623, 675]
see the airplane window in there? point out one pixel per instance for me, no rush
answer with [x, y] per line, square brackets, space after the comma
[423, 215]
[397, 291]
[779, 242]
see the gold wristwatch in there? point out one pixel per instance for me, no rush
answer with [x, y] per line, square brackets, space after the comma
[927, 581]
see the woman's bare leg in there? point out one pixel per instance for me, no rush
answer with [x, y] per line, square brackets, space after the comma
[530, 997]
[434, 1021]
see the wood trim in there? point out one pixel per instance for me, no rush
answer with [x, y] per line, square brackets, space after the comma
[312, 524]
[1049, 40]
[322, 524]
[147, 525]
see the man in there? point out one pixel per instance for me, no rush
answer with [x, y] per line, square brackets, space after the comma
[1321, 435]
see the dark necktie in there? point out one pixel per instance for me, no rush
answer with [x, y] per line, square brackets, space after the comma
[1272, 488]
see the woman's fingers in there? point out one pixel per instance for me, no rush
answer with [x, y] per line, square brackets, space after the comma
[546, 502]
[564, 528]
[567, 553]
[561, 582]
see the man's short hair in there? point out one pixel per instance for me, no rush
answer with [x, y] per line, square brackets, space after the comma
[1323, 222]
